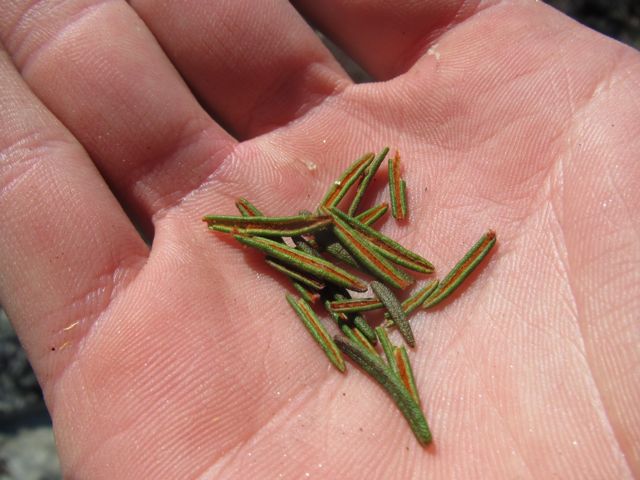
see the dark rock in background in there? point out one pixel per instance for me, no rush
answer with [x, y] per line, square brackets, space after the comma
[619, 19]
[19, 390]
[27, 450]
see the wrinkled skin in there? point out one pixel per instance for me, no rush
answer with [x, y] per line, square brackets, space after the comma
[180, 361]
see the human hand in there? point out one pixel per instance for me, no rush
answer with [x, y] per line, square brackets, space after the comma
[179, 361]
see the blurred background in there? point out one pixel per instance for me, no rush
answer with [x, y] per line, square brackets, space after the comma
[27, 449]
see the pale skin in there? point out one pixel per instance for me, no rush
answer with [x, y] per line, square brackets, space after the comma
[180, 361]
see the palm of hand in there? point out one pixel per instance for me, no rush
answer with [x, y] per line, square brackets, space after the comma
[189, 362]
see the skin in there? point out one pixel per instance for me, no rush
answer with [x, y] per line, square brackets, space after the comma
[178, 360]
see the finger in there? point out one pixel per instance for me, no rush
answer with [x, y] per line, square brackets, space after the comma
[255, 68]
[385, 38]
[101, 72]
[67, 247]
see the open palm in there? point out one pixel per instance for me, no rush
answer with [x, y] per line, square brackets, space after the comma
[183, 360]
